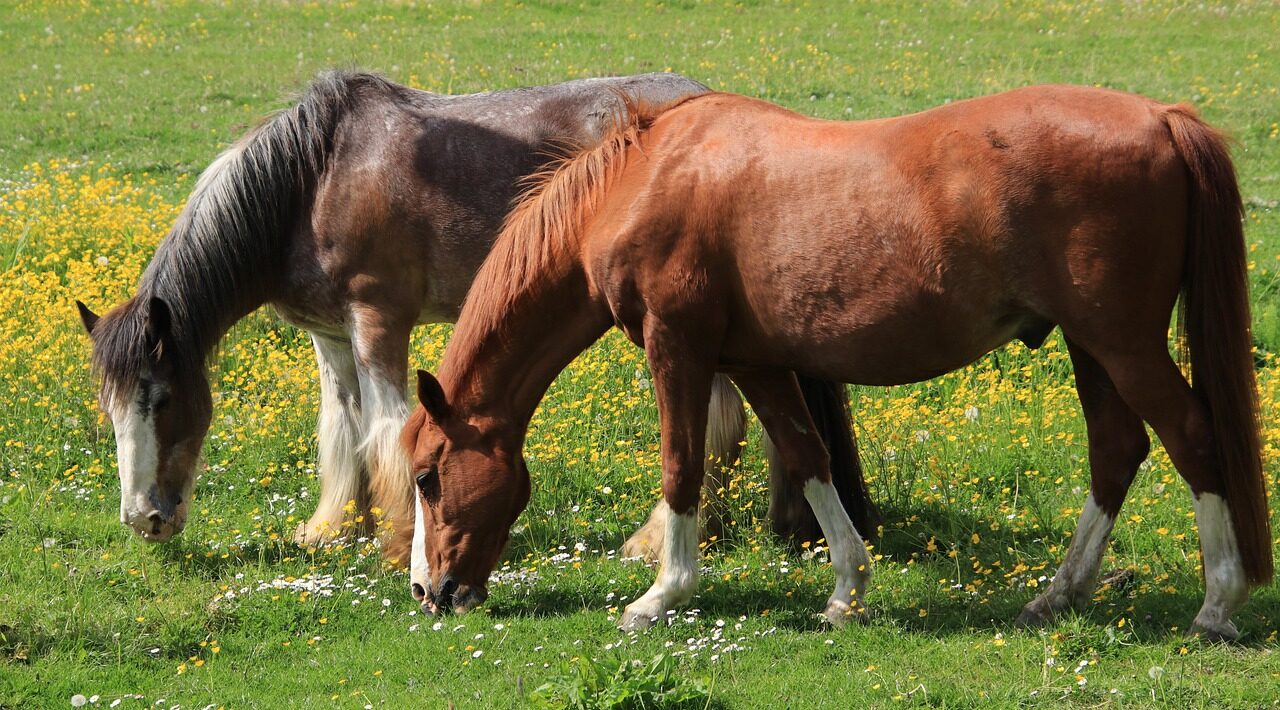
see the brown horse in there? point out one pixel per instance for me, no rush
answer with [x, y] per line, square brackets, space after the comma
[359, 212]
[727, 234]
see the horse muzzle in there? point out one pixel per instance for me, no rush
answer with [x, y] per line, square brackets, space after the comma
[153, 522]
[152, 526]
[448, 596]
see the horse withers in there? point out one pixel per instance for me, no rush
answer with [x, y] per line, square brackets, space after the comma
[359, 212]
[727, 234]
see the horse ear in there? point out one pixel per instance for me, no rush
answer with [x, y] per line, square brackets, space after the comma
[431, 395]
[88, 317]
[159, 325]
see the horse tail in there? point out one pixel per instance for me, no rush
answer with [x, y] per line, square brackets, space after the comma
[789, 512]
[1219, 345]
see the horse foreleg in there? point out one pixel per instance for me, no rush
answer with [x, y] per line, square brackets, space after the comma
[726, 428]
[776, 398]
[341, 467]
[382, 355]
[682, 383]
[1118, 443]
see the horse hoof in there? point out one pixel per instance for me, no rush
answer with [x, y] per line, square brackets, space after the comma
[645, 544]
[308, 535]
[636, 620]
[839, 614]
[1038, 613]
[1223, 633]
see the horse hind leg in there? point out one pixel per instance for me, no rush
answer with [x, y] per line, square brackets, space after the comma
[1118, 444]
[1156, 390]
[776, 398]
[789, 512]
[339, 433]
[726, 428]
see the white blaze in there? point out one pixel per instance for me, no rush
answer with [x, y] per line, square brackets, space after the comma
[419, 573]
[137, 454]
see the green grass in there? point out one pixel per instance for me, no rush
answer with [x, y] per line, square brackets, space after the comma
[134, 100]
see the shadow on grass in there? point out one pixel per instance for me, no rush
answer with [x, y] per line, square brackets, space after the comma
[195, 558]
[101, 641]
[1153, 615]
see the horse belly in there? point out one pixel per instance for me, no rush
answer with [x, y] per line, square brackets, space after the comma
[894, 339]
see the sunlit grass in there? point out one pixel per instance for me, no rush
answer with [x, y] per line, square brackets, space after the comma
[111, 108]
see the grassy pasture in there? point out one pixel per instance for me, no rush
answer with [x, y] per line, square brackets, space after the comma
[109, 109]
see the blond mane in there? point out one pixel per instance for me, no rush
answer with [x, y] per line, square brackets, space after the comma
[541, 236]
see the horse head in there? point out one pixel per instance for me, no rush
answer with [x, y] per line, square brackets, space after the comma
[472, 483]
[160, 406]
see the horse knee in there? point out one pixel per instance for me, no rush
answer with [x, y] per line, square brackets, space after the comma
[681, 488]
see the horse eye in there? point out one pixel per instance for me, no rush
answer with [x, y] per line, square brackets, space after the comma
[426, 479]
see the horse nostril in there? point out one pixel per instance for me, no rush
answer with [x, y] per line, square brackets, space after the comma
[447, 587]
[419, 594]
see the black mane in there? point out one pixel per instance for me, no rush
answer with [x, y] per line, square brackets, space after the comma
[229, 241]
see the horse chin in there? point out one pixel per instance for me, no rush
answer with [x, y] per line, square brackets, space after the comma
[469, 598]
[462, 601]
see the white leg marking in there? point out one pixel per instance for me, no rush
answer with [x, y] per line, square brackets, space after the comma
[1226, 589]
[385, 411]
[339, 435]
[646, 543]
[1073, 584]
[382, 398]
[677, 574]
[848, 553]
[419, 570]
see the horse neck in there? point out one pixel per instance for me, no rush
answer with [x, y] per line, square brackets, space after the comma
[499, 368]
[207, 287]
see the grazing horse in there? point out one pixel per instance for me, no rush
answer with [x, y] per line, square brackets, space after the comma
[727, 234]
[358, 213]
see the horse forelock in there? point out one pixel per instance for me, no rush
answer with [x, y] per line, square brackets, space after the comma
[120, 351]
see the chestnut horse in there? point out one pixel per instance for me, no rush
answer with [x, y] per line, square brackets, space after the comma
[358, 213]
[728, 234]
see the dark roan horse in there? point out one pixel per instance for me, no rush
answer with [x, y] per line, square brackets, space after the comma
[359, 212]
[727, 234]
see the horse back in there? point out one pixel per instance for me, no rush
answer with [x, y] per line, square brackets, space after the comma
[898, 249]
[419, 183]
